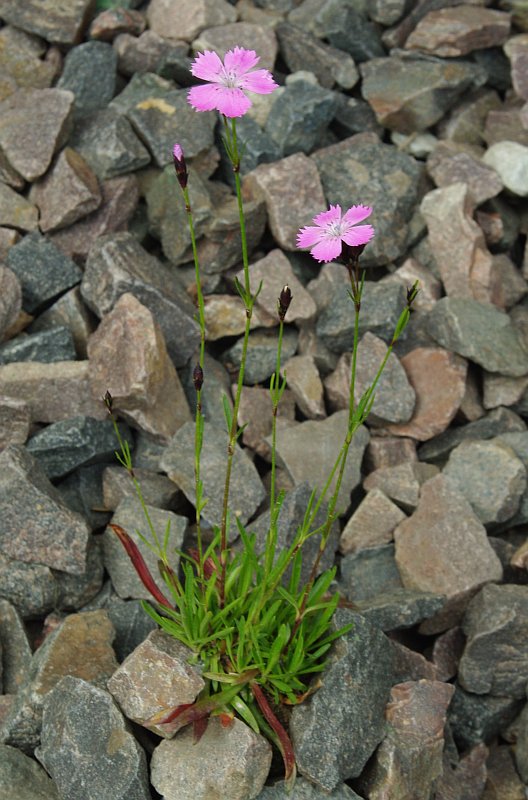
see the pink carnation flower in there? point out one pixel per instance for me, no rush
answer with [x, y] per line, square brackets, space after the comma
[228, 82]
[326, 240]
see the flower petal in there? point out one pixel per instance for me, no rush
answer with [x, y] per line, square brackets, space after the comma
[360, 234]
[309, 236]
[240, 60]
[232, 102]
[207, 66]
[259, 81]
[357, 214]
[204, 98]
[326, 217]
[327, 249]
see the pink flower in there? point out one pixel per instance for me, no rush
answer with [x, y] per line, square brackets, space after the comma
[228, 82]
[333, 229]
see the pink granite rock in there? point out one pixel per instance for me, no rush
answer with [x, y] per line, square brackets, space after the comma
[372, 523]
[178, 19]
[455, 31]
[128, 358]
[516, 48]
[443, 548]
[10, 299]
[302, 377]
[439, 380]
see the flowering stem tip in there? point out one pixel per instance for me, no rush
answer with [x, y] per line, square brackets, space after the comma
[228, 82]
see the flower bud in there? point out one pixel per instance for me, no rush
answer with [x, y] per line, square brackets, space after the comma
[283, 302]
[108, 400]
[198, 377]
[179, 165]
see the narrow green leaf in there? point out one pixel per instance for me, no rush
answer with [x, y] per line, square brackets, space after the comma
[245, 712]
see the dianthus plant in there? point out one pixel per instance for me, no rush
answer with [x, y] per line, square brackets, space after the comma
[259, 634]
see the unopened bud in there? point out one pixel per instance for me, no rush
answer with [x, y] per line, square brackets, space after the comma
[283, 302]
[108, 400]
[198, 377]
[180, 166]
[411, 293]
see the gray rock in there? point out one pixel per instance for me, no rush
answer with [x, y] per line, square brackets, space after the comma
[290, 518]
[495, 659]
[55, 537]
[131, 624]
[521, 748]
[497, 422]
[10, 299]
[130, 516]
[303, 379]
[68, 311]
[367, 165]
[16, 211]
[336, 730]
[57, 24]
[369, 573]
[372, 523]
[157, 490]
[82, 491]
[16, 652]
[21, 776]
[261, 359]
[490, 476]
[30, 588]
[344, 24]
[63, 446]
[246, 492]
[43, 271]
[79, 647]
[157, 676]
[401, 482]
[226, 763]
[85, 760]
[401, 608]
[117, 264]
[90, 72]
[15, 421]
[381, 306]
[510, 160]
[55, 344]
[109, 145]
[479, 332]
[305, 790]
[259, 148]
[180, 21]
[302, 51]
[217, 385]
[299, 117]
[308, 452]
[476, 718]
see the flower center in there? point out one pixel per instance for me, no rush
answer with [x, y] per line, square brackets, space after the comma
[336, 228]
[230, 78]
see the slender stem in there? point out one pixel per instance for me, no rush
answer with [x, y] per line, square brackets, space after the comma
[232, 151]
[275, 402]
[198, 427]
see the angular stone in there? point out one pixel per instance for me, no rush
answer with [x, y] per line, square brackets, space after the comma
[147, 52]
[47, 347]
[256, 414]
[68, 312]
[30, 588]
[52, 391]
[478, 718]
[16, 211]
[222, 38]
[401, 482]
[157, 490]
[309, 344]
[21, 776]
[302, 377]
[247, 491]
[388, 451]
[465, 122]
[56, 23]
[119, 200]
[117, 264]
[372, 523]
[21, 59]
[399, 608]
[409, 759]
[301, 51]
[446, 653]
[114, 21]
[293, 195]
[308, 451]
[516, 48]
[16, 652]
[109, 145]
[479, 332]
[15, 421]
[355, 116]
[370, 574]
[88, 760]
[345, 25]
[217, 388]
[69, 192]
[10, 299]
[259, 148]
[35, 123]
[384, 178]
[456, 31]
[304, 790]
[503, 781]
[130, 516]
[156, 677]
[90, 72]
[504, 126]
[300, 115]
[410, 94]
[450, 163]
[490, 476]
[175, 19]
[228, 763]
[55, 536]
[143, 383]
[66, 445]
[261, 355]
[343, 721]
[445, 532]
[43, 272]
[510, 160]
[495, 658]
[435, 408]
[430, 288]
[131, 624]
[79, 647]
[521, 749]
